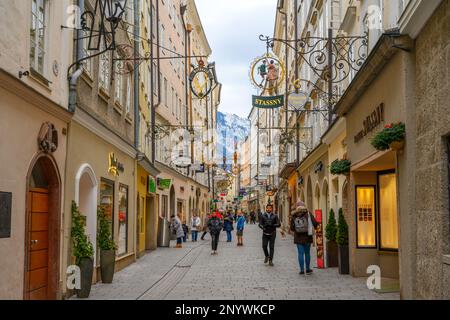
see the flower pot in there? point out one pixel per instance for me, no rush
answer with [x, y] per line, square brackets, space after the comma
[86, 266]
[332, 254]
[397, 145]
[344, 263]
[107, 264]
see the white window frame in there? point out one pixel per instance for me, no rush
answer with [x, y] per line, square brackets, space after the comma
[36, 41]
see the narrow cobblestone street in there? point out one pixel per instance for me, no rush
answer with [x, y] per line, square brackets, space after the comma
[235, 273]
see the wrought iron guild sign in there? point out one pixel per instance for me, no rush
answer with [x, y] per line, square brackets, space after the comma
[201, 80]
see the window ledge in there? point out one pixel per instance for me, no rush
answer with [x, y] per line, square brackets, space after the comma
[103, 94]
[128, 119]
[40, 79]
[87, 78]
[118, 107]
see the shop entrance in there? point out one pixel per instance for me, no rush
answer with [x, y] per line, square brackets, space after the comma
[42, 231]
[151, 223]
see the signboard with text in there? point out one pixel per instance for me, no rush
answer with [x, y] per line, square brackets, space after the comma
[319, 240]
[268, 102]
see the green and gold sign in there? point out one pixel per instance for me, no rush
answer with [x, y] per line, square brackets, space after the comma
[268, 102]
[151, 185]
[164, 184]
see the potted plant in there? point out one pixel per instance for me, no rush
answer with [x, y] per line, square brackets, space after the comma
[391, 137]
[106, 245]
[83, 251]
[330, 234]
[338, 167]
[342, 241]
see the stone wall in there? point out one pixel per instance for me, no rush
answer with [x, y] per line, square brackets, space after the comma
[432, 111]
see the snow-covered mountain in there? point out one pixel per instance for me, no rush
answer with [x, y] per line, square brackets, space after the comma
[230, 126]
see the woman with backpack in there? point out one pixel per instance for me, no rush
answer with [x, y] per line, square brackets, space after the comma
[215, 225]
[303, 224]
[177, 229]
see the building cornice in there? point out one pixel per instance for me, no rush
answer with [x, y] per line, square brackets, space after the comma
[416, 15]
[312, 157]
[336, 129]
[32, 96]
[388, 45]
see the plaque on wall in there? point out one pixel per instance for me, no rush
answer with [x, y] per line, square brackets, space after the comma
[5, 214]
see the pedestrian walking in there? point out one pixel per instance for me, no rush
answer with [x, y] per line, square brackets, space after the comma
[269, 222]
[215, 225]
[303, 224]
[177, 229]
[185, 230]
[240, 224]
[195, 227]
[228, 227]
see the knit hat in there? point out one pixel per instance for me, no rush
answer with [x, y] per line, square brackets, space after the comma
[300, 206]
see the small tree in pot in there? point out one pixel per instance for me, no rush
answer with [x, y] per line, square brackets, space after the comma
[330, 234]
[107, 246]
[342, 241]
[83, 251]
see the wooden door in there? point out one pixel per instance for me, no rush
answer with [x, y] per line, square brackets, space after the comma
[37, 273]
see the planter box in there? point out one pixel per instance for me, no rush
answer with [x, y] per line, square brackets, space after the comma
[107, 265]
[344, 263]
[87, 270]
[332, 254]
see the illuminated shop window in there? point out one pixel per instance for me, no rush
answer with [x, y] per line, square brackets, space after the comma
[365, 211]
[388, 212]
[123, 220]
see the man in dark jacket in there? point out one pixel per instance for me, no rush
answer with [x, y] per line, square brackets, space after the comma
[303, 224]
[269, 222]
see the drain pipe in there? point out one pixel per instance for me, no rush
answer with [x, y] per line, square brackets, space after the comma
[73, 78]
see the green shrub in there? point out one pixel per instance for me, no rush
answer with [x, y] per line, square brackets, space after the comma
[340, 167]
[104, 237]
[391, 132]
[331, 228]
[82, 246]
[342, 230]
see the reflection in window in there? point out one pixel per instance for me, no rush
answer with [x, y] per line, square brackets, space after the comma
[388, 212]
[365, 206]
[123, 220]
[107, 200]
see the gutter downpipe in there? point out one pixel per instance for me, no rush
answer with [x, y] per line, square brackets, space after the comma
[137, 120]
[73, 78]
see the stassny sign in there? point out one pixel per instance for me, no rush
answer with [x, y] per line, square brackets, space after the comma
[268, 102]
[371, 122]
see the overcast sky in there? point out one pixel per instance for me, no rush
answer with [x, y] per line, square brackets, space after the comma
[233, 28]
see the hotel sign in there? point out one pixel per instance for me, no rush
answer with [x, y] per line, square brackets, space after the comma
[371, 122]
[268, 102]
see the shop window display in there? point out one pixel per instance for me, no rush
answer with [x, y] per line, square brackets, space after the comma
[123, 220]
[365, 206]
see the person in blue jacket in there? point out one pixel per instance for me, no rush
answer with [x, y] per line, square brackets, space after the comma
[228, 226]
[240, 224]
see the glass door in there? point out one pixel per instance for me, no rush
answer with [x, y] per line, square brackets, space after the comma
[388, 211]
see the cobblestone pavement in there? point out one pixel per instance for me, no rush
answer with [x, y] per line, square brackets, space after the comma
[236, 273]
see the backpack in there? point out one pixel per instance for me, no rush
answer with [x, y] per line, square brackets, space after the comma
[301, 224]
[215, 225]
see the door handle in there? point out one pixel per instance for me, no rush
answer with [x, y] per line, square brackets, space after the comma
[34, 241]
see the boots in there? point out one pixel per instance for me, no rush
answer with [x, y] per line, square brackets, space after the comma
[179, 245]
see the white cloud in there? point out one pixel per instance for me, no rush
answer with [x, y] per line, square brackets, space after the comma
[233, 28]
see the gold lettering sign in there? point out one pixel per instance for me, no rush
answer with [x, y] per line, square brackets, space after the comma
[371, 122]
[114, 165]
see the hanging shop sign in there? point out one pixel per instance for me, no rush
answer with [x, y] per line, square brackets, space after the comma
[268, 102]
[319, 240]
[114, 165]
[298, 100]
[201, 80]
[267, 73]
[371, 122]
[151, 185]
[164, 184]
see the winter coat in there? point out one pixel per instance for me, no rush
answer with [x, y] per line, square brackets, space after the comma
[304, 237]
[178, 227]
[269, 223]
[195, 224]
[228, 224]
[240, 223]
[220, 226]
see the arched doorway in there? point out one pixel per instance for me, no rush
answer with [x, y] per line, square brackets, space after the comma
[325, 199]
[86, 187]
[42, 230]
[317, 202]
[172, 202]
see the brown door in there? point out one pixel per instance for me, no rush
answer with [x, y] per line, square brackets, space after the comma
[37, 273]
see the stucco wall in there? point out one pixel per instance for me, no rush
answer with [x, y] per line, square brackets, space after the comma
[433, 124]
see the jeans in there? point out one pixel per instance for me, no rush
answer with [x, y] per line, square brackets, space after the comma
[269, 240]
[185, 237]
[304, 253]
[194, 236]
[179, 240]
[204, 234]
[215, 240]
[229, 236]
